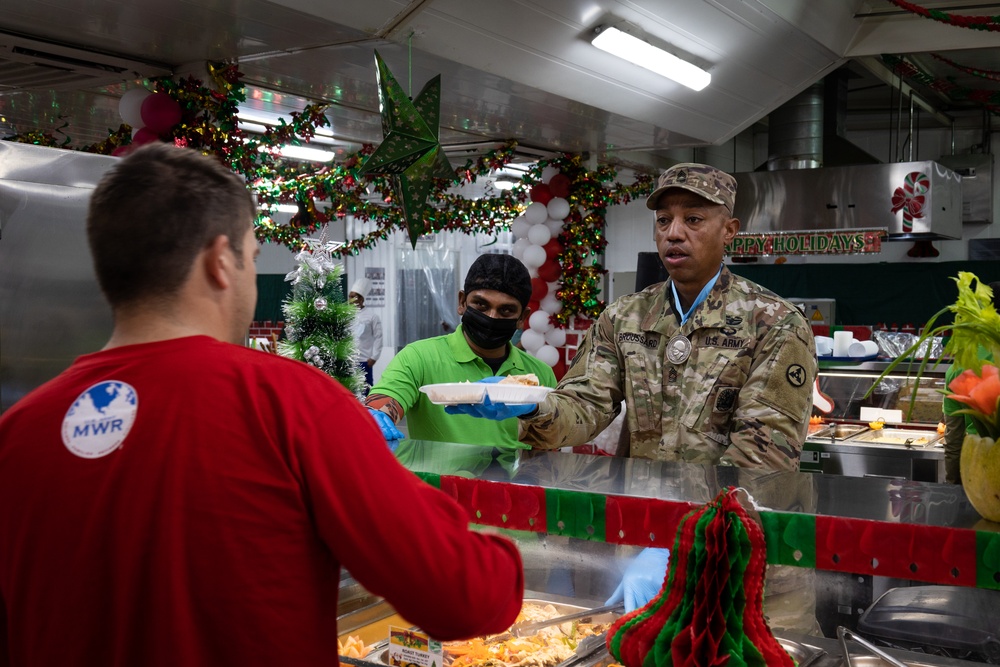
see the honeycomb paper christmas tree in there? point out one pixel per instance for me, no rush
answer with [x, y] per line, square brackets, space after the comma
[709, 611]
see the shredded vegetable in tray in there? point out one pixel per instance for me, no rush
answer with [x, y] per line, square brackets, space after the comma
[548, 647]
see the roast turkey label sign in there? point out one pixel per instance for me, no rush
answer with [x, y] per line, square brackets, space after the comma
[828, 242]
[412, 648]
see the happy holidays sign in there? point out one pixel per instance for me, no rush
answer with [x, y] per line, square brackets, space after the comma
[828, 242]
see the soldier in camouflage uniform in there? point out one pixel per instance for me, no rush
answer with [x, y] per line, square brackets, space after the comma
[731, 385]
[712, 368]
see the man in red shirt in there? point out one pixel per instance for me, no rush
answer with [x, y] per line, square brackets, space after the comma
[178, 499]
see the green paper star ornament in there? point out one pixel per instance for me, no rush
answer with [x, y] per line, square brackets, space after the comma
[410, 152]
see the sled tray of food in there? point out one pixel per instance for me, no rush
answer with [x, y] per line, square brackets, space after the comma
[837, 431]
[547, 648]
[898, 436]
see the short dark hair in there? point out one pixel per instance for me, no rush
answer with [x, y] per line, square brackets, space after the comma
[503, 273]
[154, 212]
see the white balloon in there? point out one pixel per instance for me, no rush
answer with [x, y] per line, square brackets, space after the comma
[539, 234]
[553, 286]
[519, 246]
[557, 208]
[130, 106]
[531, 340]
[555, 226]
[550, 303]
[547, 355]
[534, 256]
[536, 213]
[520, 227]
[539, 321]
[556, 337]
[548, 173]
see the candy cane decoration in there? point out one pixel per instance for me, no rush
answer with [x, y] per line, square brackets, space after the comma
[910, 198]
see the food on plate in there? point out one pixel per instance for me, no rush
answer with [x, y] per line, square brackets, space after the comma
[547, 648]
[816, 423]
[352, 647]
[528, 380]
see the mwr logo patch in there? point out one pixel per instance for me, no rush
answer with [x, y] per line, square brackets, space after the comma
[796, 375]
[99, 419]
[725, 400]
[639, 339]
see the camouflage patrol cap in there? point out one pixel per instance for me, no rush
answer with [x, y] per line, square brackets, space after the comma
[713, 184]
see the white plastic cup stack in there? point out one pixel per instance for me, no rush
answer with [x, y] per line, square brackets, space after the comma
[863, 348]
[842, 343]
[824, 346]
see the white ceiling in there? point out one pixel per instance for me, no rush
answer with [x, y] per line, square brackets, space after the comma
[521, 69]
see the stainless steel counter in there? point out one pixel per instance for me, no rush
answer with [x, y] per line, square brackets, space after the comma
[857, 458]
[591, 569]
[876, 498]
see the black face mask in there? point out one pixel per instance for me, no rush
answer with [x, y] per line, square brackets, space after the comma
[487, 332]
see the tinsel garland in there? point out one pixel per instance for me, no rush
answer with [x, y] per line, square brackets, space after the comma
[988, 98]
[322, 193]
[990, 74]
[991, 23]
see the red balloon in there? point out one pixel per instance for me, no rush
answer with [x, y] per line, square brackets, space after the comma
[534, 306]
[540, 193]
[552, 249]
[538, 289]
[559, 185]
[560, 368]
[550, 271]
[144, 135]
[160, 112]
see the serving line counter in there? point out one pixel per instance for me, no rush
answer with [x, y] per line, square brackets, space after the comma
[909, 448]
[579, 519]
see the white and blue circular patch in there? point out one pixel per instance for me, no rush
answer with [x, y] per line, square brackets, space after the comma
[100, 418]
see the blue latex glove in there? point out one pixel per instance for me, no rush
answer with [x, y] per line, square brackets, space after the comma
[391, 434]
[490, 410]
[642, 580]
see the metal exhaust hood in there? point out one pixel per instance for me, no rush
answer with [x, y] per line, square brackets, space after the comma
[912, 200]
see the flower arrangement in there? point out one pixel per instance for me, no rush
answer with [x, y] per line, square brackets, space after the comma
[974, 344]
[980, 392]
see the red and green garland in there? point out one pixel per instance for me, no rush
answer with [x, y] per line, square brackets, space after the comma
[904, 68]
[991, 23]
[710, 609]
[989, 74]
[208, 122]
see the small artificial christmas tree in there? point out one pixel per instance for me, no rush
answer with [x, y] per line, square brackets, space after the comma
[318, 317]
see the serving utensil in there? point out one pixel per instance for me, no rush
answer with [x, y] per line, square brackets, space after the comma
[589, 651]
[528, 628]
[843, 634]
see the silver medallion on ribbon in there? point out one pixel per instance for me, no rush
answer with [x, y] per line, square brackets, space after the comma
[678, 349]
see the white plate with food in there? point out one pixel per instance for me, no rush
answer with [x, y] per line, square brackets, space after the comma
[517, 389]
[455, 393]
[516, 393]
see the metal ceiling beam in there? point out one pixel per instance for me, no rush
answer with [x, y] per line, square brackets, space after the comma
[884, 74]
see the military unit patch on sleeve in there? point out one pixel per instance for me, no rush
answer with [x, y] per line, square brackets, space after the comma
[796, 375]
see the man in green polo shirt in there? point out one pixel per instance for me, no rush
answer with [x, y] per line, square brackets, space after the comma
[493, 305]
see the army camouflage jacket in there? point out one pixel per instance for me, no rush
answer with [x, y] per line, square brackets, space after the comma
[743, 396]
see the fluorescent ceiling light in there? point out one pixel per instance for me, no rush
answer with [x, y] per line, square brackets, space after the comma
[646, 55]
[305, 153]
[504, 185]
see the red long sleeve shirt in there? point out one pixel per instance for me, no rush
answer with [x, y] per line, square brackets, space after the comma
[190, 502]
